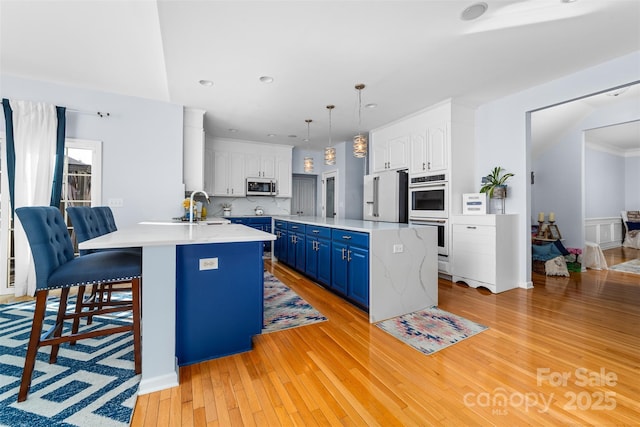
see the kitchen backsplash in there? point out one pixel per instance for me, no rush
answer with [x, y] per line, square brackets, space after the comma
[247, 205]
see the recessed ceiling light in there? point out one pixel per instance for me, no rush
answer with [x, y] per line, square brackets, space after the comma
[271, 135]
[206, 83]
[266, 79]
[305, 140]
[474, 11]
[371, 105]
[232, 130]
[568, 1]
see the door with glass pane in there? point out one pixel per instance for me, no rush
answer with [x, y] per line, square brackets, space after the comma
[82, 178]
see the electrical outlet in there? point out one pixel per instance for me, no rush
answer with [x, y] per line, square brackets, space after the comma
[208, 264]
[397, 249]
[115, 203]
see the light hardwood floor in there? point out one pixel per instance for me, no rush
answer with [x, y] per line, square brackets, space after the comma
[345, 371]
[585, 329]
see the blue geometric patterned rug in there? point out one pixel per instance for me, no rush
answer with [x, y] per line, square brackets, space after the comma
[92, 383]
[284, 309]
[431, 329]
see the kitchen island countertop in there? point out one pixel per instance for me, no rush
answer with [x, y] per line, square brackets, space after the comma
[346, 224]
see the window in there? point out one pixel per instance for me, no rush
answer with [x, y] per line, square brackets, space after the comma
[82, 178]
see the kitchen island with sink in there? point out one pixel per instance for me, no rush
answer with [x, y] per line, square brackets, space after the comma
[388, 269]
[202, 293]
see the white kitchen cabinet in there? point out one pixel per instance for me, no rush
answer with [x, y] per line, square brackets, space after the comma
[228, 177]
[390, 154]
[485, 251]
[209, 170]
[193, 161]
[260, 166]
[430, 149]
[235, 161]
[283, 176]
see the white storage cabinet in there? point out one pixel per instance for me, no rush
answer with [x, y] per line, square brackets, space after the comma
[485, 251]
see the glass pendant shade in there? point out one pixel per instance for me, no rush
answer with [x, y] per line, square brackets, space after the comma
[360, 146]
[330, 156]
[308, 164]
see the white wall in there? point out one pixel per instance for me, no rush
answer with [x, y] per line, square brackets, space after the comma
[604, 184]
[632, 189]
[502, 129]
[141, 141]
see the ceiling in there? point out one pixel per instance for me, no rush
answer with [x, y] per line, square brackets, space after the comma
[409, 54]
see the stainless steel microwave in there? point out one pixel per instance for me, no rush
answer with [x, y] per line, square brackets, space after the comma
[261, 187]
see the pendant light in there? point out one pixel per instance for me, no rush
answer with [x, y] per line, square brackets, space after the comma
[330, 151]
[308, 161]
[360, 141]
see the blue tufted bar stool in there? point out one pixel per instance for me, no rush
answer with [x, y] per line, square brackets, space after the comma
[89, 222]
[57, 268]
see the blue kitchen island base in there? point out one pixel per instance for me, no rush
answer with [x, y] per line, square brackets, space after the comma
[219, 299]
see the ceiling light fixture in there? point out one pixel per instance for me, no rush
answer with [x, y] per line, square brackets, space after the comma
[266, 79]
[330, 151]
[360, 141]
[232, 130]
[371, 106]
[206, 83]
[308, 161]
[474, 11]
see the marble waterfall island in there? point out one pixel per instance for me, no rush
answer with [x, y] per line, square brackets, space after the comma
[402, 262]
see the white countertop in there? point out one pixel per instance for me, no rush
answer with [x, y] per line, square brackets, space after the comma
[161, 234]
[346, 224]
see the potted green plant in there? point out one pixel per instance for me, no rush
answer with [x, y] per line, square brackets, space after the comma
[494, 184]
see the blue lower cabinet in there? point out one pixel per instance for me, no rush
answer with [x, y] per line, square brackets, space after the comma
[318, 254]
[339, 267]
[218, 311]
[280, 245]
[262, 223]
[358, 282]
[295, 246]
[350, 265]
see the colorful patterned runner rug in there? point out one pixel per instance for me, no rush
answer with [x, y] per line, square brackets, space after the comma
[431, 329]
[284, 309]
[632, 266]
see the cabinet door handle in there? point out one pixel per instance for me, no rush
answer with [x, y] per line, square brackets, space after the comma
[343, 250]
[429, 165]
[346, 237]
[424, 166]
[348, 256]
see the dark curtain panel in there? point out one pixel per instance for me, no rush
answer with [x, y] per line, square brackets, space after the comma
[56, 189]
[11, 153]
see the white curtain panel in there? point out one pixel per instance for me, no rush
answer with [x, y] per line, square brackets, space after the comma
[34, 132]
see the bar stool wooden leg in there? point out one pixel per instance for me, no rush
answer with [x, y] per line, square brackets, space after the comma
[135, 296]
[59, 326]
[34, 343]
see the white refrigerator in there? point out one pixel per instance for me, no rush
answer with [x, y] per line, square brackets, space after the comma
[386, 197]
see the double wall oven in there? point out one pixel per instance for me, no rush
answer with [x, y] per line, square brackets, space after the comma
[429, 206]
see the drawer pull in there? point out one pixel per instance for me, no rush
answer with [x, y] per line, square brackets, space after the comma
[470, 227]
[316, 231]
[346, 237]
